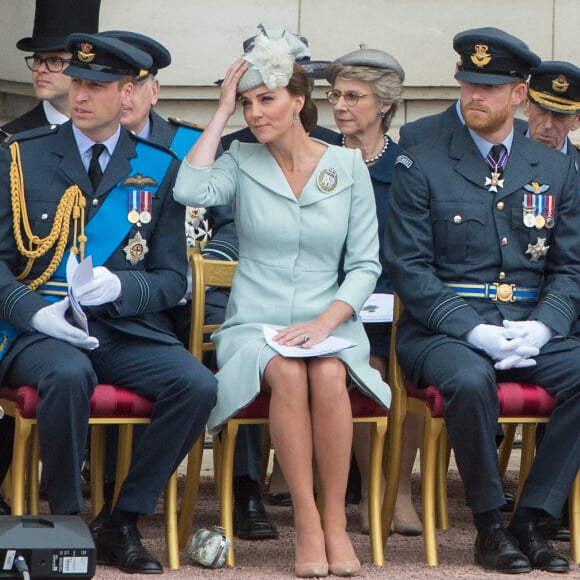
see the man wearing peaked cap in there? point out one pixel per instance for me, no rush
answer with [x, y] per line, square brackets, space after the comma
[553, 111]
[53, 22]
[553, 105]
[482, 248]
[507, 58]
[102, 192]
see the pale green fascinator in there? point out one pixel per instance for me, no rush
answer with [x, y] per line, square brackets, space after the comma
[271, 59]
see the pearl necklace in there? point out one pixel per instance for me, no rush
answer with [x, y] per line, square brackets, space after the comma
[378, 155]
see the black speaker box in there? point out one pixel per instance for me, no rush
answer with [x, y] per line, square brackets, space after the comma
[52, 546]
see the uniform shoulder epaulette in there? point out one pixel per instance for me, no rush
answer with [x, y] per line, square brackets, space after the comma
[181, 123]
[33, 133]
[153, 144]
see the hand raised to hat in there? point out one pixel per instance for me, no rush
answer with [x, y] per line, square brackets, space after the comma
[51, 321]
[103, 288]
[229, 87]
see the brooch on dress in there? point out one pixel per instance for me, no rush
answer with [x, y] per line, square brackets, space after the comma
[327, 180]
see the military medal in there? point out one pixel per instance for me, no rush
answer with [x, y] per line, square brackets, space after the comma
[529, 210]
[145, 206]
[550, 211]
[540, 220]
[136, 249]
[327, 180]
[537, 250]
[133, 215]
[495, 180]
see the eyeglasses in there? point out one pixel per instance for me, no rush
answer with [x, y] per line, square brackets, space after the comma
[350, 98]
[54, 64]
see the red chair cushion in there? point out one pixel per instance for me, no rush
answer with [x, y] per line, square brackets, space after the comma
[515, 400]
[363, 406]
[107, 402]
[259, 408]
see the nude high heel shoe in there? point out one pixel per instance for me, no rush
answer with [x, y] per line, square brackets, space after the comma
[311, 569]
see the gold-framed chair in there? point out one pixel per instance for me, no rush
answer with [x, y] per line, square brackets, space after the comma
[219, 273]
[110, 405]
[519, 403]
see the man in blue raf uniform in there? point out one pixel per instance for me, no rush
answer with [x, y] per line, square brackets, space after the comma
[483, 248]
[553, 106]
[91, 185]
[553, 111]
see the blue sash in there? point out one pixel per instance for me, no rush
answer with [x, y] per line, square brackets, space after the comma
[183, 140]
[102, 238]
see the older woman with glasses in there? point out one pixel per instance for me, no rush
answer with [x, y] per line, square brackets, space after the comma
[367, 86]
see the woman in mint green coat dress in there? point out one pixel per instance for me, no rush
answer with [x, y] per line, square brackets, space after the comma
[297, 203]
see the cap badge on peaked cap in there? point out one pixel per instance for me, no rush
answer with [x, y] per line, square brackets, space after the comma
[560, 84]
[481, 57]
[85, 54]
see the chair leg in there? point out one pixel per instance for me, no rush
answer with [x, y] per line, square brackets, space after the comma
[34, 474]
[266, 445]
[429, 455]
[228, 443]
[394, 453]
[97, 468]
[190, 491]
[527, 457]
[442, 468]
[123, 457]
[217, 462]
[505, 449]
[171, 535]
[574, 508]
[378, 431]
[22, 433]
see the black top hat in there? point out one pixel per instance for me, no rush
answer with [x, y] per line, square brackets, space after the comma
[160, 55]
[490, 56]
[54, 20]
[555, 86]
[104, 59]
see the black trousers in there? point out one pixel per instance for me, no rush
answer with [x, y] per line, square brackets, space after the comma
[467, 382]
[183, 390]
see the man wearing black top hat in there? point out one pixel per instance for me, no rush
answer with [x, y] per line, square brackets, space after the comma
[53, 22]
[92, 186]
[482, 246]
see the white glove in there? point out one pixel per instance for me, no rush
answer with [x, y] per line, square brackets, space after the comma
[536, 333]
[500, 343]
[104, 287]
[51, 321]
[514, 361]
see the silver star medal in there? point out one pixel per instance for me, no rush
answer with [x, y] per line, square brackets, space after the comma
[537, 250]
[494, 181]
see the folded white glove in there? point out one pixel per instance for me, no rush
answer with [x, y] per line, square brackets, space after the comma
[535, 332]
[51, 321]
[514, 361]
[499, 343]
[103, 288]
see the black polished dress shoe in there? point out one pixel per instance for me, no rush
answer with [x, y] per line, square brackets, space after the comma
[251, 522]
[5, 509]
[496, 549]
[96, 525]
[555, 529]
[535, 546]
[122, 547]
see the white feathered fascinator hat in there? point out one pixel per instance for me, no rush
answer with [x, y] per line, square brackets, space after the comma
[271, 59]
